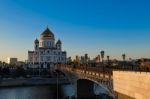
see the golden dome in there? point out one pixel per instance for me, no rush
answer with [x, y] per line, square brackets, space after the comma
[47, 34]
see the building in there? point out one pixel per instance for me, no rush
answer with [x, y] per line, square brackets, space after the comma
[84, 59]
[69, 60]
[144, 63]
[77, 60]
[20, 63]
[46, 52]
[97, 59]
[12, 61]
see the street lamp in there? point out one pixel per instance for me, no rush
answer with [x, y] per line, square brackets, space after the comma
[102, 56]
[108, 59]
[123, 57]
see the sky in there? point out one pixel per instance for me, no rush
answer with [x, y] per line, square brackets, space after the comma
[84, 26]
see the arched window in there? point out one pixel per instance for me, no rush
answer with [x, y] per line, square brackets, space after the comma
[49, 43]
[45, 43]
[41, 52]
[48, 58]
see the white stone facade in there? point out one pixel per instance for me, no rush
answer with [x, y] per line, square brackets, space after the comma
[46, 52]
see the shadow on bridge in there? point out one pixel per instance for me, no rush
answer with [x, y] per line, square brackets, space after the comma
[86, 90]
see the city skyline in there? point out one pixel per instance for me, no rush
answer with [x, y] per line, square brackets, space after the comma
[116, 27]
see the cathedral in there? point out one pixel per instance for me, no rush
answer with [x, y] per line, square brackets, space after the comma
[46, 52]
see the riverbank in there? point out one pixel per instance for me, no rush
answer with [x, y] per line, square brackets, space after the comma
[10, 82]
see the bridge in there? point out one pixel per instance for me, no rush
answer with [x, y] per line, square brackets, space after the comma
[86, 79]
[118, 83]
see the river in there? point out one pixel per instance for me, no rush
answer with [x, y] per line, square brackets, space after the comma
[38, 92]
[31, 92]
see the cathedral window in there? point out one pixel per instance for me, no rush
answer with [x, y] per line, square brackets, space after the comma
[54, 58]
[30, 58]
[49, 43]
[36, 58]
[48, 58]
[62, 58]
[41, 58]
[44, 43]
[41, 52]
[56, 53]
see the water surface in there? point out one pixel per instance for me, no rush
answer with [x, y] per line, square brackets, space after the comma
[31, 92]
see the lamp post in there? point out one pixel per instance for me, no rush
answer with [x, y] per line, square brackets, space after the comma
[123, 57]
[102, 56]
[108, 59]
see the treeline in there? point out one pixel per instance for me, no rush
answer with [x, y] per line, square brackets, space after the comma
[13, 72]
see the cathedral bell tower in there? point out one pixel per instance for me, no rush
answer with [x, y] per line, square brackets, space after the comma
[58, 45]
[36, 44]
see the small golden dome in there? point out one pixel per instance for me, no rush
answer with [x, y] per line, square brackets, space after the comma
[36, 41]
[59, 42]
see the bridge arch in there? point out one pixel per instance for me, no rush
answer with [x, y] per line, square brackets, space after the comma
[74, 76]
[85, 89]
[91, 88]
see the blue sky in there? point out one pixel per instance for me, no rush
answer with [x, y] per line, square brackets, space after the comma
[84, 26]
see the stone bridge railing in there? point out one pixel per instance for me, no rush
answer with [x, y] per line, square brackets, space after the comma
[95, 74]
